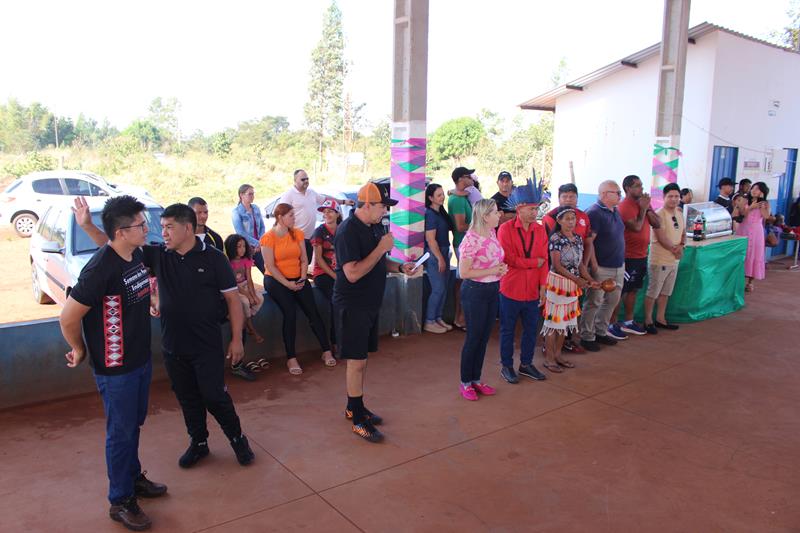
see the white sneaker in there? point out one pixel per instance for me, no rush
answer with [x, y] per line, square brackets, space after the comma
[433, 327]
[444, 324]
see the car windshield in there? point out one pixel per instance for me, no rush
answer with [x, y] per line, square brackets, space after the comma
[82, 244]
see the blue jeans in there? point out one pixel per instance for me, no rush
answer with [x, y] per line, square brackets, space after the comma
[125, 403]
[510, 311]
[479, 301]
[440, 283]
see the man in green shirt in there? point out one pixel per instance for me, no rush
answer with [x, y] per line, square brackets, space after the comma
[460, 211]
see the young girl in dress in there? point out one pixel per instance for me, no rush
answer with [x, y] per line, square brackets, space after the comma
[237, 250]
[755, 212]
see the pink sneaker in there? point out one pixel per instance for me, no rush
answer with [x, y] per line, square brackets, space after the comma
[484, 389]
[469, 393]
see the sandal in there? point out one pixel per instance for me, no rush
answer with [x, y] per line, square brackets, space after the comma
[565, 363]
[553, 367]
[329, 361]
[263, 363]
[295, 370]
[253, 366]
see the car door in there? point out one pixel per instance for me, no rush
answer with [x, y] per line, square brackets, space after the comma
[45, 190]
[38, 257]
[57, 277]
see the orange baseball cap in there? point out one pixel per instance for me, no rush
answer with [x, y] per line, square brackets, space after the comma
[370, 193]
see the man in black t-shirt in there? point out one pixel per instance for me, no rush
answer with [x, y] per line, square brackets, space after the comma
[195, 283]
[361, 265]
[505, 185]
[203, 232]
[109, 308]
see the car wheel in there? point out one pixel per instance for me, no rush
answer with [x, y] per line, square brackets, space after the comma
[24, 224]
[38, 294]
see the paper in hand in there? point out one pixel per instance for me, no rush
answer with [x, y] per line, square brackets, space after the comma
[421, 260]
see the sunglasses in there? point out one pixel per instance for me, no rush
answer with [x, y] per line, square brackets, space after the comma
[675, 223]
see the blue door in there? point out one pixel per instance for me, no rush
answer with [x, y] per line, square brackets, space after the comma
[783, 202]
[723, 165]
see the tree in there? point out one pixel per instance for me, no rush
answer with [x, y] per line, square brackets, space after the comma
[455, 139]
[323, 111]
[163, 114]
[145, 133]
[560, 73]
[790, 34]
[263, 131]
[352, 120]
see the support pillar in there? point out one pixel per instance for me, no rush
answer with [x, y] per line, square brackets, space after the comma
[669, 112]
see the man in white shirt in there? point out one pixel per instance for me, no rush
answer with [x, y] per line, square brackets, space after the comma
[304, 202]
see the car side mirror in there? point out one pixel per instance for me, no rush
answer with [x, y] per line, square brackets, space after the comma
[52, 247]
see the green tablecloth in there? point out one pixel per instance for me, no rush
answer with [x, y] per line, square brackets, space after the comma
[710, 282]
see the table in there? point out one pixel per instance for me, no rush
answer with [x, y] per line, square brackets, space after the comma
[792, 237]
[710, 281]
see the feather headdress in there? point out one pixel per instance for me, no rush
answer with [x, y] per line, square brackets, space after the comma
[532, 193]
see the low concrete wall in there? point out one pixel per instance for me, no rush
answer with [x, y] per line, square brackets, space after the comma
[33, 368]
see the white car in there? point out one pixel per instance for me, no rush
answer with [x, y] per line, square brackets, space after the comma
[59, 248]
[26, 199]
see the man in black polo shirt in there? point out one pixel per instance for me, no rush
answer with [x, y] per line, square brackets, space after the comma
[505, 185]
[206, 234]
[361, 265]
[109, 308]
[191, 276]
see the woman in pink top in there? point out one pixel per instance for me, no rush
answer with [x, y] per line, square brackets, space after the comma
[755, 212]
[480, 266]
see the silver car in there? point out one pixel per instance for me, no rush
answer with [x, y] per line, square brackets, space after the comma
[59, 248]
[26, 199]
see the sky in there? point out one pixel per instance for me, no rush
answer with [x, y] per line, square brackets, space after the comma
[238, 60]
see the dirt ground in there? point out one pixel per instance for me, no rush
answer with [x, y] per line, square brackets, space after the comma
[15, 272]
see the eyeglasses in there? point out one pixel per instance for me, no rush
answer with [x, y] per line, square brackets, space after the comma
[675, 223]
[303, 179]
[142, 226]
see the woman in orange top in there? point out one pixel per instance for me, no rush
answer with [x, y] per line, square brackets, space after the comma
[285, 280]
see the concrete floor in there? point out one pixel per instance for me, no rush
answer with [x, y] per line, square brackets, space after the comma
[695, 430]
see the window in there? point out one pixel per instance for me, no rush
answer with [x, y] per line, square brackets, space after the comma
[77, 187]
[97, 191]
[47, 186]
[59, 227]
[44, 228]
[82, 244]
[13, 186]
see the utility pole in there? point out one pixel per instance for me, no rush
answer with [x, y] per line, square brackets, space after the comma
[669, 112]
[409, 115]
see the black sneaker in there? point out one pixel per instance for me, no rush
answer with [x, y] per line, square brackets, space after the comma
[605, 339]
[195, 452]
[509, 375]
[144, 488]
[367, 432]
[242, 450]
[590, 346]
[530, 371]
[651, 329]
[130, 514]
[241, 371]
[372, 418]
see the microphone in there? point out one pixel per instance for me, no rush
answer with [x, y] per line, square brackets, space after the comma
[385, 223]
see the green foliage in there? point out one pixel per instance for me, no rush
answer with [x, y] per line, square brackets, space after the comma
[263, 131]
[789, 35]
[323, 111]
[31, 162]
[221, 144]
[163, 114]
[24, 129]
[455, 139]
[145, 133]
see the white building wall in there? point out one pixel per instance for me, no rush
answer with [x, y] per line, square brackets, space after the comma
[750, 77]
[608, 129]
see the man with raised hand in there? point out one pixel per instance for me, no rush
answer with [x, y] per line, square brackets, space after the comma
[109, 307]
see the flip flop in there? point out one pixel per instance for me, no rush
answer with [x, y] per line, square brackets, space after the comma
[553, 367]
[295, 371]
[263, 363]
[565, 363]
[253, 366]
[329, 362]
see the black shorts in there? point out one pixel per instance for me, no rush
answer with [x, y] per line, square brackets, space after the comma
[356, 330]
[635, 271]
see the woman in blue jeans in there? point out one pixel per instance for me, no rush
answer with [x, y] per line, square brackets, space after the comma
[481, 266]
[437, 242]
[248, 222]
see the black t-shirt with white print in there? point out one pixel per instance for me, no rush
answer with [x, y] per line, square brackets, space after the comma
[117, 327]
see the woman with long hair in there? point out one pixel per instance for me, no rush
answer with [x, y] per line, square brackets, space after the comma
[437, 242]
[755, 212]
[325, 255]
[480, 266]
[286, 281]
[248, 222]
